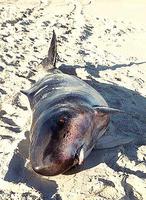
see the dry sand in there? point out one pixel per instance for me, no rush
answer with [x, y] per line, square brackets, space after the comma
[104, 43]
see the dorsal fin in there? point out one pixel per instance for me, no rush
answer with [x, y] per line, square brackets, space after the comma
[50, 61]
[48, 65]
[52, 52]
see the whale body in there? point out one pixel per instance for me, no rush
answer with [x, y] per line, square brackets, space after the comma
[68, 117]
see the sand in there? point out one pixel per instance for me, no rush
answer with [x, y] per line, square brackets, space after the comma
[102, 42]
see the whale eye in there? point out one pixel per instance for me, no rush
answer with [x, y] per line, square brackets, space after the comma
[62, 120]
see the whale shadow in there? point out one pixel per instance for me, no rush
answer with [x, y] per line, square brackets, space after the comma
[93, 70]
[19, 173]
[133, 126]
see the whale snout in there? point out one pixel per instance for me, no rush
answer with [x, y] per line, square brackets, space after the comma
[45, 171]
[41, 170]
[53, 168]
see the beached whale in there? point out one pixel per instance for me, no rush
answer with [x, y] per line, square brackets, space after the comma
[68, 117]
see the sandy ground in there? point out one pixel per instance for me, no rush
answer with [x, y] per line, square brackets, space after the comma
[102, 42]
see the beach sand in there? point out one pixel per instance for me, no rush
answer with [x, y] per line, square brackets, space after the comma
[104, 43]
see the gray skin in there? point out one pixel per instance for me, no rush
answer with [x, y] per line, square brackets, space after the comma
[68, 117]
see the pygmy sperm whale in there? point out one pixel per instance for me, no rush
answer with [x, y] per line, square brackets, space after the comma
[68, 117]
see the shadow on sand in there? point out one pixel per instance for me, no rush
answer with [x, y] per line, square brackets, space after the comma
[132, 126]
[18, 173]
